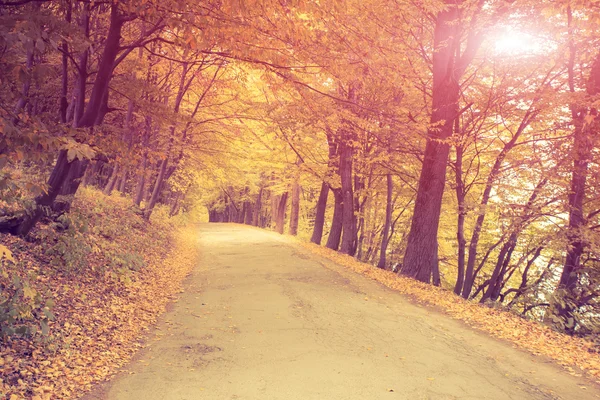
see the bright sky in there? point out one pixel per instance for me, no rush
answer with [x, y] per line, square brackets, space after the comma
[513, 42]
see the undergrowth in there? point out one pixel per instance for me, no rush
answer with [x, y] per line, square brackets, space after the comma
[76, 295]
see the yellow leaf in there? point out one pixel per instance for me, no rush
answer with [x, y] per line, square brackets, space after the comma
[6, 253]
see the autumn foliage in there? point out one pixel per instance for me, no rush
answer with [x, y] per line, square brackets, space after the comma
[96, 304]
[453, 142]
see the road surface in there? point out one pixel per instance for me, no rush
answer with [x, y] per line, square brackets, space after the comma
[262, 319]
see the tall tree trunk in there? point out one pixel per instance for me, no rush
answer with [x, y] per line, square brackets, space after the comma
[110, 185]
[82, 68]
[24, 99]
[64, 103]
[385, 235]
[165, 172]
[139, 191]
[123, 180]
[460, 226]
[420, 257]
[348, 218]
[99, 95]
[158, 185]
[584, 131]
[320, 209]
[335, 233]
[248, 214]
[295, 210]
[449, 65]
[281, 207]
[491, 180]
[257, 208]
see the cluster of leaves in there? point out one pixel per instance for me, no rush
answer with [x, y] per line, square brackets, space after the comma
[93, 311]
[23, 310]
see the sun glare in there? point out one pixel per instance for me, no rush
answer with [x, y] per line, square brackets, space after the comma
[513, 42]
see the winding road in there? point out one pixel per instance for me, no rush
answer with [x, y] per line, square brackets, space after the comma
[263, 319]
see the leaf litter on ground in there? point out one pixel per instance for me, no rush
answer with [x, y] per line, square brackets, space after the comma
[101, 312]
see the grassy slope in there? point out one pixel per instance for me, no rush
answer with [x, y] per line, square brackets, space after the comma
[108, 284]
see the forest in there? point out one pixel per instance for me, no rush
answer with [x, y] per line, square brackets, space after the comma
[451, 141]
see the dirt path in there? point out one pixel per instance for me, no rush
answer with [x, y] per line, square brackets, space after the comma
[261, 319]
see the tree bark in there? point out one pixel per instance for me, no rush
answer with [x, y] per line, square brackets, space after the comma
[385, 235]
[295, 210]
[59, 173]
[139, 191]
[460, 226]
[281, 207]
[320, 209]
[348, 218]
[82, 70]
[112, 181]
[157, 189]
[500, 268]
[335, 233]
[99, 95]
[584, 130]
[248, 214]
[420, 257]
[64, 103]
[257, 208]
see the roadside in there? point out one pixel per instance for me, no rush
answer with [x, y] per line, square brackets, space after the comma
[574, 354]
[103, 282]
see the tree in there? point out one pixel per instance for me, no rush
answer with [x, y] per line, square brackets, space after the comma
[448, 66]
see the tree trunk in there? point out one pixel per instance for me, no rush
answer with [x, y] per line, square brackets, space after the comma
[24, 99]
[420, 257]
[157, 189]
[582, 154]
[281, 207]
[501, 264]
[248, 214]
[460, 226]
[257, 208]
[491, 179]
[320, 209]
[139, 191]
[348, 218]
[82, 71]
[295, 210]
[59, 173]
[385, 235]
[97, 104]
[335, 233]
[64, 103]
[123, 180]
[110, 185]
